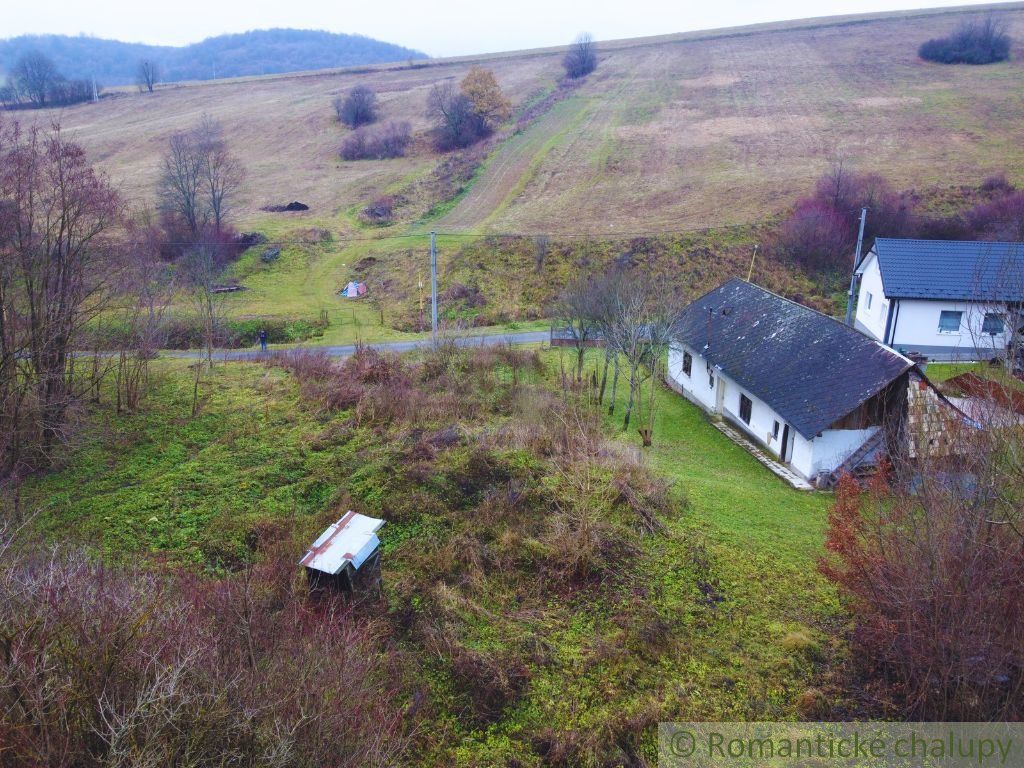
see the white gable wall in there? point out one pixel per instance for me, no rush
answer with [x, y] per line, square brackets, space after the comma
[872, 319]
[808, 457]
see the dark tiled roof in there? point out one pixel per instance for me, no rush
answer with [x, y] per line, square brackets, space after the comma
[951, 269]
[809, 368]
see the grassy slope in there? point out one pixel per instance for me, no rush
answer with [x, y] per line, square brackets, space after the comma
[686, 132]
[670, 133]
[196, 491]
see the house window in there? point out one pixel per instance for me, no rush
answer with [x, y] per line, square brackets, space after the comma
[687, 363]
[711, 380]
[949, 321]
[745, 406]
[869, 298]
[775, 431]
[993, 323]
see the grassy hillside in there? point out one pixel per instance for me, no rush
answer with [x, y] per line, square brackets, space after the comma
[667, 134]
[670, 134]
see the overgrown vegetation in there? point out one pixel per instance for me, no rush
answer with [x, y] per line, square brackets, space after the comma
[820, 232]
[547, 598]
[496, 279]
[929, 558]
[111, 666]
[976, 41]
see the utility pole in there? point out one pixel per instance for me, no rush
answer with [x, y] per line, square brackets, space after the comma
[433, 286]
[856, 263]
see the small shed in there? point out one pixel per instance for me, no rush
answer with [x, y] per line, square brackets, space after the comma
[346, 556]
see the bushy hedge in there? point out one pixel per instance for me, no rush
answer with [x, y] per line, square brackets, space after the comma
[973, 42]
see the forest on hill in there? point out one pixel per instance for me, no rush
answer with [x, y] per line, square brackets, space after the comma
[257, 52]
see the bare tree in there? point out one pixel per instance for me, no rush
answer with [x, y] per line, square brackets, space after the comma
[146, 291]
[222, 174]
[573, 310]
[34, 76]
[199, 178]
[147, 75]
[357, 108]
[181, 183]
[455, 123]
[57, 253]
[641, 315]
[581, 58]
[201, 269]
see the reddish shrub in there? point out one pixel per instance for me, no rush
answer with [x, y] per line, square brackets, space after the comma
[103, 666]
[815, 236]
[934, 587]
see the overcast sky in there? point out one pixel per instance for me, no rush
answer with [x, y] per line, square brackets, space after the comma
[437, 27]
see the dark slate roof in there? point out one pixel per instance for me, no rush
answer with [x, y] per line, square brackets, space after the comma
[951, 269]
[809, 368]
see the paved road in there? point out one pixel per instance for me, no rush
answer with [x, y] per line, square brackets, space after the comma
[344, 350]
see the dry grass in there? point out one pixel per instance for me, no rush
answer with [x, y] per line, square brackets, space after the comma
[671, 132]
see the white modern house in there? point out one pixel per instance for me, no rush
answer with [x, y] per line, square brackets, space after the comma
[948, 300]
[809, 390]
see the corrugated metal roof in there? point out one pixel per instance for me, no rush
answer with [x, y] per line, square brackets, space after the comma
[951, 269]
[350, 540]
[808, 367]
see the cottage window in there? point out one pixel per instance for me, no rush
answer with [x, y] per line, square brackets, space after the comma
[745, 406]
[711, 380]
[869, 298]
[687, 363]
[775, 431]
[993, 323]
[949, 321]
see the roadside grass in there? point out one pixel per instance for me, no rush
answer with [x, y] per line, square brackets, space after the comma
[697, 624]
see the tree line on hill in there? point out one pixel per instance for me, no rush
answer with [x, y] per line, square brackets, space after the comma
[250, 53]
[35, 81]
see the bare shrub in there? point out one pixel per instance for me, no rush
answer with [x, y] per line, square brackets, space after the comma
[358, 107]
[381, 143]
[456, 124]
[581, 58]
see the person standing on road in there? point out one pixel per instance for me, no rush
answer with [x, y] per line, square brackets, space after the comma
[263, 339]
